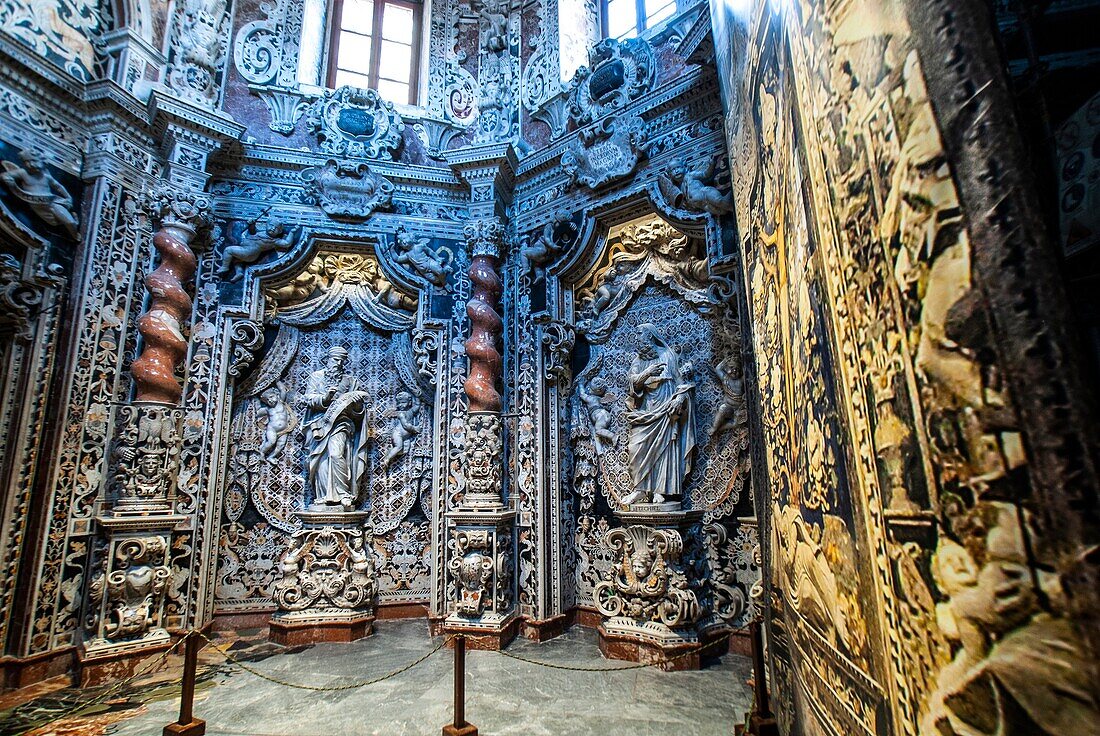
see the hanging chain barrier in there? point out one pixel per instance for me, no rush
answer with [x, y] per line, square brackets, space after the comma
[641, 665]
[157, 664]
[230, 659]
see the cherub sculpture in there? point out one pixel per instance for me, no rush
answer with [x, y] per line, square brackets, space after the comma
[593, 393]
[690, 189]
[610, 287]
[253, 243]
[278, 419]
[538, 251]
[731, 411]
[405, 430]
[36, 187]
[434, 264]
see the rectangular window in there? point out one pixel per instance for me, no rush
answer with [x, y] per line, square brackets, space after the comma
[375, 44]
[628, 18]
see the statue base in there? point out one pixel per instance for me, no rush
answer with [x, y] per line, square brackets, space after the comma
[489, 632]
[651, 643]
[481, 562]
[328, 589]
[101, 661]
[319, 626]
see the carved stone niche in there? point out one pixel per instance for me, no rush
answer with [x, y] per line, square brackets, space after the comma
[480, 562]
[356, 122]
[609, 151]
[648, 599]
[328, 587]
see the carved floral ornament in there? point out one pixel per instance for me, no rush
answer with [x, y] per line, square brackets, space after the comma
[327, 568]
[356, 122]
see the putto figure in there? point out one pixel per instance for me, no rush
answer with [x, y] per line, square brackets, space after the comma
[731, 411]
[253, 243]
[689, 189]
[405, 430]
[275, 413]
[661, 421]
[36, 187]
[434, 264]
[336, 433]
[593, 394]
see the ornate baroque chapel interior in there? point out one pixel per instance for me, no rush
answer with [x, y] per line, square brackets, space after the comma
[413, 366]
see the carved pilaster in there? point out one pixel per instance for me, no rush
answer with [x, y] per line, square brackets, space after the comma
[480, 566]
[126, 597]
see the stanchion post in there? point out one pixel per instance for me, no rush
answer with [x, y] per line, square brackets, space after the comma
[762, 722]
[188, 725]
[460, 727]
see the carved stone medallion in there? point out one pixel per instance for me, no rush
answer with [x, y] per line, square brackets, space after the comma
[617, 72]
[607, 152]
[356, 122]
[346, 191]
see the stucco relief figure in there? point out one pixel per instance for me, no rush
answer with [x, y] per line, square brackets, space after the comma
[610, 288]
[278, 421]
[690, 189]
[300, 287]
[496, 38]
[405, 428]
[253, 243]
[35, 186]
[593, 394]
[1020, 667]
[336, 432]
[661, 421]
[434, 264]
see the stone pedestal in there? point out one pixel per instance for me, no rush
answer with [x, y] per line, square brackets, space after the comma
[647, 600]
[328, 588]
[480, 564]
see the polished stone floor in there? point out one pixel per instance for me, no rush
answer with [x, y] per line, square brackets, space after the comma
[504, 696]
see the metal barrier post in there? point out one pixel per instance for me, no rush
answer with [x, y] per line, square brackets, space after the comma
[460, 727]
[188, 725]
[762, 722]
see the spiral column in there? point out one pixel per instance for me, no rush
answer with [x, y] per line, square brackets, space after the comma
[161, 327]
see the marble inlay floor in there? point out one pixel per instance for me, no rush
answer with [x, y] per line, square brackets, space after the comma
[504, 696]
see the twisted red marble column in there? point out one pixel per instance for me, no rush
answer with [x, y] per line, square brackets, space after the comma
[164, 345]
[486, 325]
